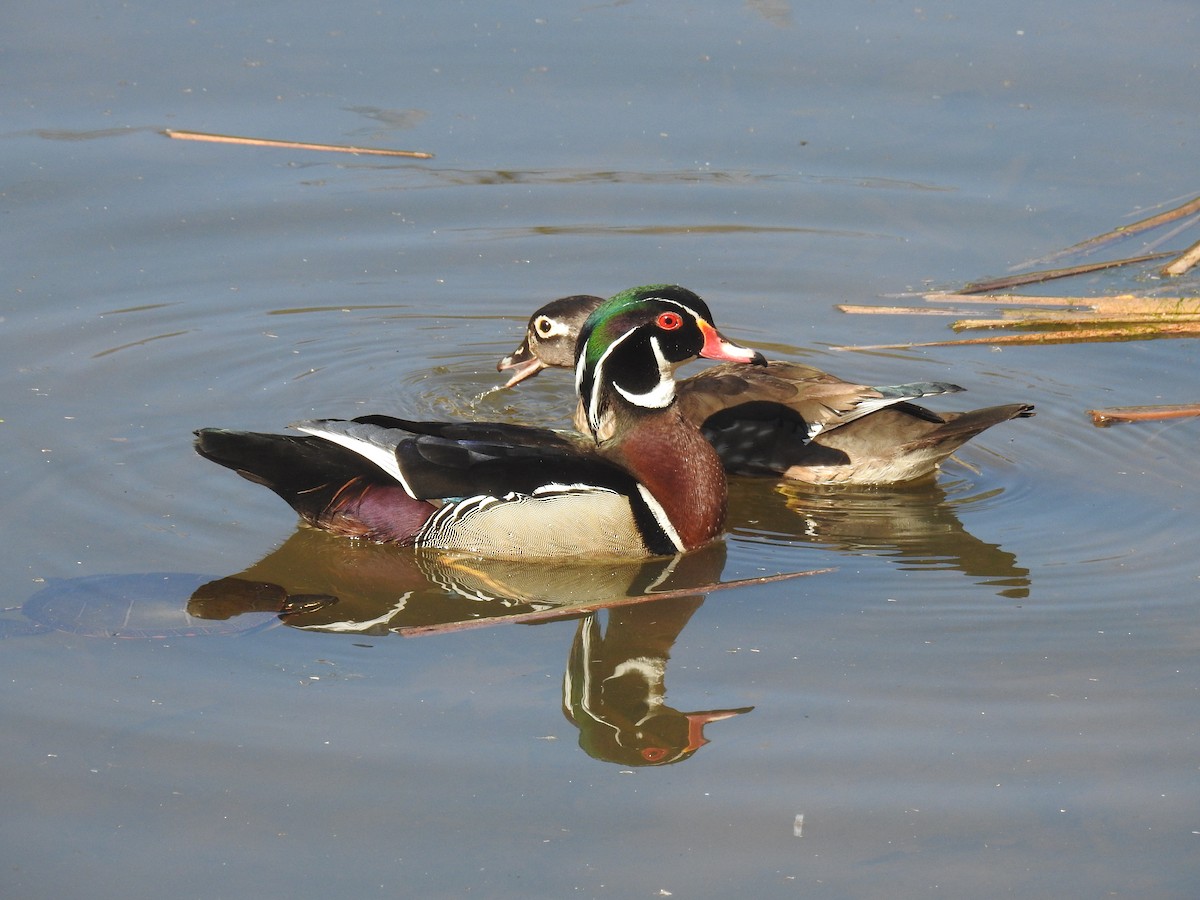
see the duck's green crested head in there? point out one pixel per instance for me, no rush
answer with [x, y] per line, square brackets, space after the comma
[632, 343]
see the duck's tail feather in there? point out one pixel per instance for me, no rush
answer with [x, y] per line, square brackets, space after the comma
[329, 486]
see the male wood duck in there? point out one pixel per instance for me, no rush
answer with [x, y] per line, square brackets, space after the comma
[643, 483]
[787, 419]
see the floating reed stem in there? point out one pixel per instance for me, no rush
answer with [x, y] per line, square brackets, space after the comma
[1190, 257]
[291, 145]
[1114, 414]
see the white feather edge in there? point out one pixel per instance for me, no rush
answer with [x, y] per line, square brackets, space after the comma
[378, 454]
[863, 407]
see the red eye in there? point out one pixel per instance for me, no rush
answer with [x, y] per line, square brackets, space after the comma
[656, 754]
[669, 321]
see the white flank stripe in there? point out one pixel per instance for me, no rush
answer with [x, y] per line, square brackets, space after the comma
[577, 488]
[359, 625]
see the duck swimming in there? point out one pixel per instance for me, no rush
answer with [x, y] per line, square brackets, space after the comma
[641, 481]
[787, 419]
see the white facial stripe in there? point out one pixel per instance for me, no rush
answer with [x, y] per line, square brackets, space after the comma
[691, 312]
[546, 327]
[653, 399]
[661, 394]
[597, 382]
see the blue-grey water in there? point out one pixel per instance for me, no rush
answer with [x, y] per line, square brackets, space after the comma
[996, 692]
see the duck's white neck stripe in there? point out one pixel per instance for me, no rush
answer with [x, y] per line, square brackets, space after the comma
[593, 407]
[657, 398]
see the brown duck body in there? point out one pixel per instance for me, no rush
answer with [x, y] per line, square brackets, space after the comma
[757, 420]
[788, 419]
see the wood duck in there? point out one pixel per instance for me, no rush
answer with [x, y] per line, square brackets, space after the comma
[787, 419]
[644, 482]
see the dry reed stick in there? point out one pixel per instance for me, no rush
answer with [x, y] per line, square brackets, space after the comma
[853, 309]
[1071, 336]
[1070, 320]
[1105, 417]
[291, 145]
[1114, 305]
[1190, 257]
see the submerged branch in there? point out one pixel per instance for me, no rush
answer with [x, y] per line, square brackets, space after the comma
[1122, 231]
[1011, 281]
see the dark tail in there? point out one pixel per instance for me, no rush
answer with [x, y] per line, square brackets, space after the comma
[961, 427]
[330, 487]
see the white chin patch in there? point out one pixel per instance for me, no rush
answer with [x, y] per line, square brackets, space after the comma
[662, 393]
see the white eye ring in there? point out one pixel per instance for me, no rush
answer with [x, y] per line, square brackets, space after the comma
[547, 327]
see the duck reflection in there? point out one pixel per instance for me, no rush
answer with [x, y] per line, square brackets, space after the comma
[614, 688]
[917, 524]
[342, 586]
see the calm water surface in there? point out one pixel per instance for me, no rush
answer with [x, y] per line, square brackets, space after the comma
[994, 694]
